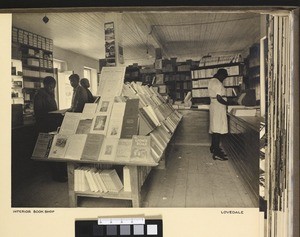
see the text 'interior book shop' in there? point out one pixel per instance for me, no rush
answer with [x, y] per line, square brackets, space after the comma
[153, 109]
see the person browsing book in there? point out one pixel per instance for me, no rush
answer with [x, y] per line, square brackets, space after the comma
[43, 103]
[218, 124]
[84, 82]
[80, 96]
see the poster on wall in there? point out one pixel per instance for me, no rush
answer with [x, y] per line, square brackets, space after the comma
[110, 49]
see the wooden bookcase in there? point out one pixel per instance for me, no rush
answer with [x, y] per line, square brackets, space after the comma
[176, 81]
[36, 54]
[179, 84]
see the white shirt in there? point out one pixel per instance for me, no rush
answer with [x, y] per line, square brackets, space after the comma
[217, 111]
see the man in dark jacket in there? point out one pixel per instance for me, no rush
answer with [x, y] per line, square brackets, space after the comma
[44, 102]
[84, 82]
[80, 96]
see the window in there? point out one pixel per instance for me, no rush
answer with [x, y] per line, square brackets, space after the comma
[91, 75]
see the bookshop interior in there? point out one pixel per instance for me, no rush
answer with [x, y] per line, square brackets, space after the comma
[182, 103]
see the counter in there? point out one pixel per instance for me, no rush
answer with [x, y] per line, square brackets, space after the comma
[242, 146]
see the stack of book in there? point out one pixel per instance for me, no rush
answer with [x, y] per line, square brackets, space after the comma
[95, 180]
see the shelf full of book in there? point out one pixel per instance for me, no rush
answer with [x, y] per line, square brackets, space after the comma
[36, 54]
[17, 82]
[202, 76]
[131, 127]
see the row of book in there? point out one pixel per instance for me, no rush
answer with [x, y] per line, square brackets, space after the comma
[31, 39]
[39, 74]
[210, 72]
[201, 93]
[233, 81]
[186, 85]
[152, 106]
[31, 84]
[177, 77]
[43, 63]
[200, 83]
[38, 53]
[96, 180]
[229, 81]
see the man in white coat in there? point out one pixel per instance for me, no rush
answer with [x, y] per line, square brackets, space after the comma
[218, 124]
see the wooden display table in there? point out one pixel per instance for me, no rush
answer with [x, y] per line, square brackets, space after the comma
[136, 180]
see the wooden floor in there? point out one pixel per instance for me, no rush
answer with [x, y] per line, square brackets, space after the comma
[191, 178]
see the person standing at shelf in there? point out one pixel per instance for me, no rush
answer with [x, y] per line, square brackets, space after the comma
[218, 124]
[44, 102]
[84, 82]
[80, 96]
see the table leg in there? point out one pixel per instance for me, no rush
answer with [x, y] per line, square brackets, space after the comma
[135, 187]
[72, 195]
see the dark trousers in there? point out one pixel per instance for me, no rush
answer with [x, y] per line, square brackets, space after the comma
[215, 143]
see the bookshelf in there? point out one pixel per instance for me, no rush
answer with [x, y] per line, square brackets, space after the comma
[36, 55]
[179, 84]
[201, 77]
[252, 67]
[170, 78]
[138, 125]
[16, 82]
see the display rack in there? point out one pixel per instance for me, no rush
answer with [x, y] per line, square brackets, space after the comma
[149, 138]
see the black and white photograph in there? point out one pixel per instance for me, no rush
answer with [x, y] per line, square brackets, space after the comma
[218, 121]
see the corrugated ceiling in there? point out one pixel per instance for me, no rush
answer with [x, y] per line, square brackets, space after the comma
[180, 34]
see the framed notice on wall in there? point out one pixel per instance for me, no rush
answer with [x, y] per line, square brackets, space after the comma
[110, 49]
